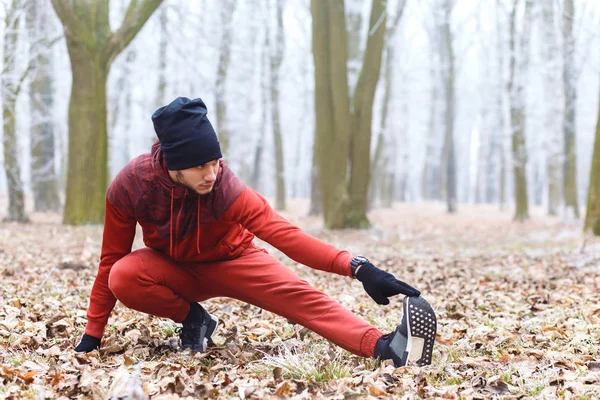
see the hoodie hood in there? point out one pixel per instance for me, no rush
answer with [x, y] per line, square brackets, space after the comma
[174, 219]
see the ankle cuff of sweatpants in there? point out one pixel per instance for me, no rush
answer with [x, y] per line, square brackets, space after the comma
[368, 342]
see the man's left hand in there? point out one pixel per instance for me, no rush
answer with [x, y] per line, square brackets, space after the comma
[380, 284]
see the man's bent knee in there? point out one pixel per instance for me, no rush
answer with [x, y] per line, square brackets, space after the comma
[123, 276]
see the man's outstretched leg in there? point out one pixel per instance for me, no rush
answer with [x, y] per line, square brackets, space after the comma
[261, 280]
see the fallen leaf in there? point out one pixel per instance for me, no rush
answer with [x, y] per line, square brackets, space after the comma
[375, 391]
[554, 329]
[283, 390]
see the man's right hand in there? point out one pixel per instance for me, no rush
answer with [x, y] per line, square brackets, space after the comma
[88, 343]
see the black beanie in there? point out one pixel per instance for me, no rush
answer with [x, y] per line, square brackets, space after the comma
[187, 138]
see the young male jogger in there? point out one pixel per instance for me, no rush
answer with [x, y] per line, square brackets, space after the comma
[198, 222]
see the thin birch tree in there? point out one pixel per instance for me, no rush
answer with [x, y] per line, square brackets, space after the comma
[276, 57]
[447, 62]
[382, 171]
[44, 179]
[552, 110]
[519, 60]
[227, 7]
[11, 81]
[570, 93]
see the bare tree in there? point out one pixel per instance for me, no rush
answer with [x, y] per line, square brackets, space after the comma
[382, 168]
[226, 21]
[276, 57]
[362, 115]
[498, 142]
[552, 110]
[338, 126]
[570, 92]
[519, 59]
[332, 104]
[447, 62]
[44, 180]
[264, 92]
[11, 81]
[92, 47]
[431, 177]
[161, 92]
[592, 218]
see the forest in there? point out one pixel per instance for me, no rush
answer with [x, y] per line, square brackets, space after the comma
[455, 143]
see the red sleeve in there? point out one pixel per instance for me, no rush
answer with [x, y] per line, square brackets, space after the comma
[117, 240]
[253, 212]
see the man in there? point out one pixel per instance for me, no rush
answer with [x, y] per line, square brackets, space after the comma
[198, 222]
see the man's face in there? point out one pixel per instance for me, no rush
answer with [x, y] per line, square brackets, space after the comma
[200, 179]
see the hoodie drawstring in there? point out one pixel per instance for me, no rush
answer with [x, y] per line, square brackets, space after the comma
[174, 226]
[179, 215]
[198, 236]
[171, 224]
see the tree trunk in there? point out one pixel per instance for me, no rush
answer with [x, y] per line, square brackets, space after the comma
[255, 178]
[10, 92]
[498, 135]
[335, 124]
[449, 148]
[378, 166]
[551, 125]
[431, 183]
[162, 58]
[227, 9]
[316, 200]
[92, 47]
[332, 107]
[87, 176]
[276, 58]
[161, 90]
[592, 218]
[383, 170]
[517, 110]
[44, 181]
[362, 116]
[119, 113]
[570, 91]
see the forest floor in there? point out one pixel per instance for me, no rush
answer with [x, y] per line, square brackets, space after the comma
[518, 307]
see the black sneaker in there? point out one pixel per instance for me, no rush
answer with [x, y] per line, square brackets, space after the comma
[195, 336]
[413, 339]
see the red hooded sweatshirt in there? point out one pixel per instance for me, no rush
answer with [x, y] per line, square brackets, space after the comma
[193, 228]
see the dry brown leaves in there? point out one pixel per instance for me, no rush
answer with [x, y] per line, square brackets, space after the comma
[518, 310]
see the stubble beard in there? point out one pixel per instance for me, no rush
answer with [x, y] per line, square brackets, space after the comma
[182, 182]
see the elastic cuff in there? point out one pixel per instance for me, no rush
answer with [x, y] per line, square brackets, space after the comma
[368, 342]
[94, 329]
[344, 264]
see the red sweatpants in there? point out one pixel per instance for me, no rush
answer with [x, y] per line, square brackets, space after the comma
[150, 282]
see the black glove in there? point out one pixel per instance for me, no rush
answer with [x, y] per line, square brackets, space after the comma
[380, 284]
[88, 343]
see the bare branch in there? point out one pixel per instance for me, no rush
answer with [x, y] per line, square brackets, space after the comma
[135, 17]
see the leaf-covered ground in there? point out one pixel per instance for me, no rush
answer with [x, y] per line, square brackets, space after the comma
[518, 311]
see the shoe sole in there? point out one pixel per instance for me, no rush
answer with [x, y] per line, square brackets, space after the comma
[421, 328]
[212, 327]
